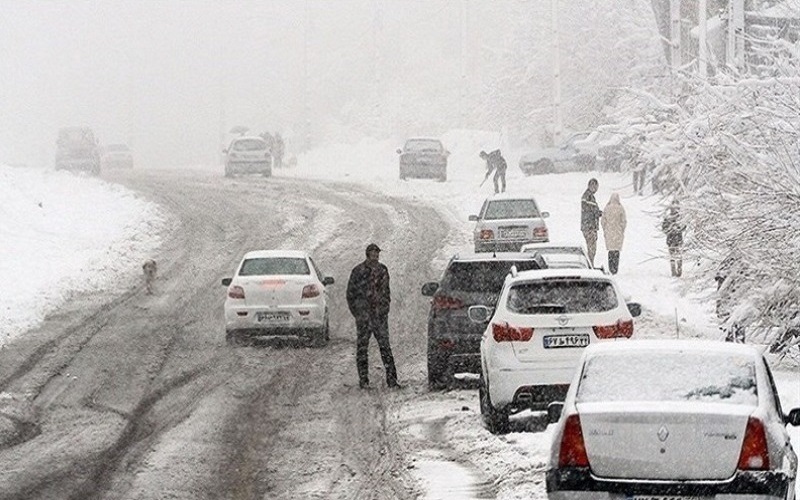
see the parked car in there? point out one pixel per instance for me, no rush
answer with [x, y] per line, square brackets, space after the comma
[552, 255]
[672, 419]
[534, 337]
[77, 149]
[248, 155]
[423, 157]
[116, 155]
[468, 280]
[574, 154]
[506, 222]
[277, 293]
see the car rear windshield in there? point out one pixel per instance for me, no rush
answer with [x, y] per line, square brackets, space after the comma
[266, 266]
[423, 146]
[511, 209]
[249, 145]
[562, 296]
[639, 376]
[483, 276]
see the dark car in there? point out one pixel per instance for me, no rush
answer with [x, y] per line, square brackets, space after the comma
[469, 280]
[423, 157]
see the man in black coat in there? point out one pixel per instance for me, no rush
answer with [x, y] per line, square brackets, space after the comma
[673, 227]
[368, 297]
[590, 219]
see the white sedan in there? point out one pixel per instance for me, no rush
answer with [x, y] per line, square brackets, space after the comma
[277, 293]
[675, 419]
[537, 332]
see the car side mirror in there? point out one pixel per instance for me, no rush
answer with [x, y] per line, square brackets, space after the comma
[635, 309]
[794, 417]
[428, 289]
[545, 215]
[473, 218]
[554, 411]
[327, 280]
[399, 151]
[227, 281]
[480, 314]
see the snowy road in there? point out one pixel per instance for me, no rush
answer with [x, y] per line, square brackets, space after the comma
[141, 398]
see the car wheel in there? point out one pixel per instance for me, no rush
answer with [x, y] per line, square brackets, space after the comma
[437, 376]
[267, 173]
[321, 336]
[233, 339]
[496, 420]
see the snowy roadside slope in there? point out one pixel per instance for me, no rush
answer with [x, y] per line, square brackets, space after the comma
[61, 234]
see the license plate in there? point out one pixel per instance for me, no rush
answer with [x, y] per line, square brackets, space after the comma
[272, 317]
[660, 497]
[514, 234]
[565, 341]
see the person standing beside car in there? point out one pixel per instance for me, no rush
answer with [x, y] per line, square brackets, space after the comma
[368, 298]
[614, 222]
[590, 218]
[497, 164]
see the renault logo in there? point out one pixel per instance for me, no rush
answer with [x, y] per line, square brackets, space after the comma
[663, 433]
[562, 320]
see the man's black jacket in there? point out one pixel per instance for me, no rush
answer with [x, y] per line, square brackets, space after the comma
[360, 299]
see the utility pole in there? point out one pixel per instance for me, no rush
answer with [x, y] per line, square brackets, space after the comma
[702, 52]
[377, 29]
[734, 55]
[464, 62]
[558, 125]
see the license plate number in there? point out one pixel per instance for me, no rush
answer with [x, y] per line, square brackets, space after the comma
[515, 234]
[272, 317]
[659, 497]
[565, 341]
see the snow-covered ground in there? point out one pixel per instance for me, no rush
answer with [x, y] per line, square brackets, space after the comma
[62, 233]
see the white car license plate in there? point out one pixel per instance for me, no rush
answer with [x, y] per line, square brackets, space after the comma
[516, 233]
[560, 341]
[272, 317]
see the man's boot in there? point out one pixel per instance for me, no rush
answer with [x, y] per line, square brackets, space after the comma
[679, 268]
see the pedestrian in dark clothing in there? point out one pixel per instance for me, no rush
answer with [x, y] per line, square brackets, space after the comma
[278, 150]
[673, 227]
[497, 164]
[368, 298]
[590, 218]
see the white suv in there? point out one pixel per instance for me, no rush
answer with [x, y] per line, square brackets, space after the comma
[537, 332]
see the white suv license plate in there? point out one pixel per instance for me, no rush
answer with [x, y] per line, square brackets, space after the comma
[566, 341]
[272, 317]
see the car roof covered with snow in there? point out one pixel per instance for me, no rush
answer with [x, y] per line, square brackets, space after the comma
[262, 254]
[663, 345]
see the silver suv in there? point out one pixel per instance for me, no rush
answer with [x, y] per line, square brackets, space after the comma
[248, 155]
[506, 222]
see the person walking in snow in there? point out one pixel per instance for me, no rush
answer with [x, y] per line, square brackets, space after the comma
[278, 150]
[368, 298]
[590, 218]
[639, 168]
[614, 222]
[673, 228]
[497, 164]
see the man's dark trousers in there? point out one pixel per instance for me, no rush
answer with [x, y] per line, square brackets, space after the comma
[377, 325]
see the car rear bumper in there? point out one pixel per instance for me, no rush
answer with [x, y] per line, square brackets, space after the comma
[545, 383]
[78, 165]
[306, 333]
[305, 318]
[249, 167]
[431, 171]
[581, 484]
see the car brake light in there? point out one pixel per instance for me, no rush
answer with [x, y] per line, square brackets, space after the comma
[619, 329]
[573, 449]
[754, 454]
[442, 302]
[503, 332]
[540, 232]
[310, 291]
[486, 234]
[236, 292]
